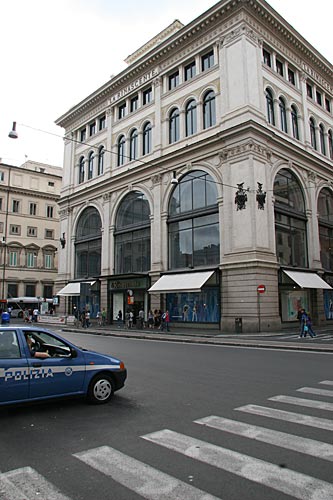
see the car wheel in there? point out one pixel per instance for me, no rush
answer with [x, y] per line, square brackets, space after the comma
[101, 389]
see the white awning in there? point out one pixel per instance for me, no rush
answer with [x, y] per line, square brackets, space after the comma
[307, 280]
[186, 282]
[73, 289]
[70, 290]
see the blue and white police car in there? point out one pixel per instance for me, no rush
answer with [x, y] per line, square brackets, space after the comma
[37, 364]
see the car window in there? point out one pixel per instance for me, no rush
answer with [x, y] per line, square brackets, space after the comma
[45, 338]
[9, 348]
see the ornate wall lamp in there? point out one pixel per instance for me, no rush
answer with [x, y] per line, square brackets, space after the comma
[261, 197]
[241, 196]
[63, 240]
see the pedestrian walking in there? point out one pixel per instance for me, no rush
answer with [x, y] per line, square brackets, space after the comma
[150, 319]
[104, 317]
[306, 325]
[119, 318]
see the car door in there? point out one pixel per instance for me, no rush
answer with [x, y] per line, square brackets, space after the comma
[61, 374]
[14, 371]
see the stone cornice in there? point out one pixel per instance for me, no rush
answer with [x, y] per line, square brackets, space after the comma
[246, 148]
[261, 17]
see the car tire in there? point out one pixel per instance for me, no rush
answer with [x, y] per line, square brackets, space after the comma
[101, 389]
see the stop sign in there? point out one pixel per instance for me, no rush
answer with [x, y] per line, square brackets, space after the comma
[261, 289]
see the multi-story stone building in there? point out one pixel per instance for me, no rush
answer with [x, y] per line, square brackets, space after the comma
[29, 229]
[203, 171]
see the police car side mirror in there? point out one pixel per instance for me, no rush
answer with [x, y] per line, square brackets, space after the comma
[73, 353]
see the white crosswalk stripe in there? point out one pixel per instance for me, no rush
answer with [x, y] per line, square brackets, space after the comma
[27, 484]
[310, 403]
[292, 483]
[314, 390]
[297, 418]
[139, 477]
[327, 382]
[277, 438]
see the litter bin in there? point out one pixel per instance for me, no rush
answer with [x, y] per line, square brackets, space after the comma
[238, 325]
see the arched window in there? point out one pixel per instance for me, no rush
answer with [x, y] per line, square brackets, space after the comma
[209, 113]
[313, 133]
[283, 115]
[270, 107]
[174, 126]
[81, 170]
[322, 139]
[191, 118]
[330, 143]
[132, 235]
[193, 222]
[146, 138]
[290, 221]
[91, 165]
[121, 151]
[88, 244]
[134, 145]
[325, 221]
[294, 122]
[100, 166]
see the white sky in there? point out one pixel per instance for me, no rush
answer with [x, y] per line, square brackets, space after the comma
[56, 52]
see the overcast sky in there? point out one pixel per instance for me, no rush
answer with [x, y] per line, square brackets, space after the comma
[56, 52]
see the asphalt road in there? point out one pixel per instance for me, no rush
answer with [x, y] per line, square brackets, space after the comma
[155, 440]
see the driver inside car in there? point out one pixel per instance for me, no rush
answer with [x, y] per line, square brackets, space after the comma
[33, 349]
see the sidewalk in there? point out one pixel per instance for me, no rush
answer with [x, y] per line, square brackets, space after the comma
[215, 337]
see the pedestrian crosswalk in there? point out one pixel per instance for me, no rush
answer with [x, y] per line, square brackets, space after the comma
[150, 483]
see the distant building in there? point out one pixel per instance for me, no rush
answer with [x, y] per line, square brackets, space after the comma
[29, 229]
[202, 171]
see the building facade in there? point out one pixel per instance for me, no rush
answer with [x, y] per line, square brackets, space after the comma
[202, 175]
[29, 229]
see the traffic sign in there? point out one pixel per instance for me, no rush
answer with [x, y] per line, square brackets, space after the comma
[261, 289]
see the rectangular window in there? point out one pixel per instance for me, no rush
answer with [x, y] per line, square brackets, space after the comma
[83, 134]
[102, 123]
[30, 290]
[48, 291]
[279, 67]
[319, 98]
[327, 105]
[13, 258]
[49, 212]
[189, 71]
[32, 208]
[134, 103]
[92, 128]
[174, 80]
[14, 229]
[31, 259]
[207, 61]
[1, 203]
[48, 261]
[51, 184]
[2, 176]
[16, 206]
[1, 227]
[12, 290]
[291, 76]
[267, 58]
[147, 96]
[49, 234]
[32, 231]
[122, 111]
[309, 90]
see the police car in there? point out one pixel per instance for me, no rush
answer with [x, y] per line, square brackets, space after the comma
[37, 364]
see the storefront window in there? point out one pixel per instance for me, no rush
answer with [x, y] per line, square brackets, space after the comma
[132, 235]
[194, 307]
[194, 234]
[325, 217]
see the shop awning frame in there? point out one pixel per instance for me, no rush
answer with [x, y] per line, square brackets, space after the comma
[183, 282]
[73, 289]
[307, 280]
